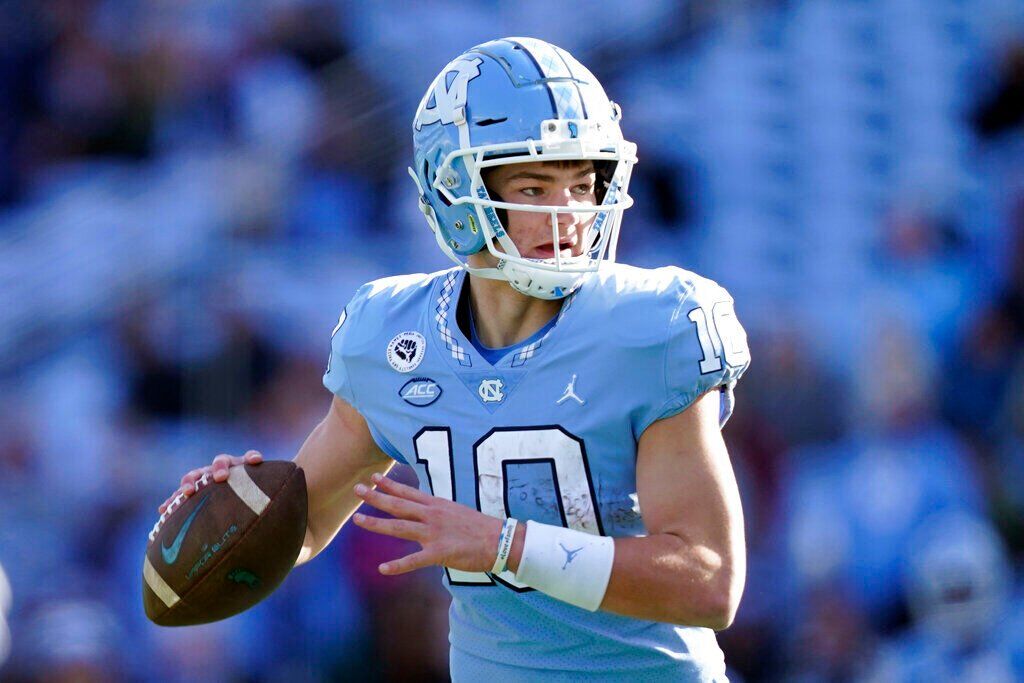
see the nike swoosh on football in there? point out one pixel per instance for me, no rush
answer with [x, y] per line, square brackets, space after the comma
[171, 554]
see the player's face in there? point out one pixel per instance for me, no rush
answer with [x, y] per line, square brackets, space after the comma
[546, 184]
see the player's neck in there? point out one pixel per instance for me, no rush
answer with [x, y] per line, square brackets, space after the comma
[503, 316]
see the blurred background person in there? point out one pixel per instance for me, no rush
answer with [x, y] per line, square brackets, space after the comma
[959, 586]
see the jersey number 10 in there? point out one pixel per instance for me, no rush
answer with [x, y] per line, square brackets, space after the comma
[722, 338]
[564, 452]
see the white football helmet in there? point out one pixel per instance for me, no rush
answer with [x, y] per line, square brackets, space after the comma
[517, 100]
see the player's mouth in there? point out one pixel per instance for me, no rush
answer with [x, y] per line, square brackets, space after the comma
[568, 247]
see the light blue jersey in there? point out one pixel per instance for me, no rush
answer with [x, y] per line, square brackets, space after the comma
[548, 433]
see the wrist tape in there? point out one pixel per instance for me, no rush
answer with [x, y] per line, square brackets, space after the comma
[570, 565]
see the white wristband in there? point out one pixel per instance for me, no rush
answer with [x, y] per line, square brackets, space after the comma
[570, 565]
[508, 533]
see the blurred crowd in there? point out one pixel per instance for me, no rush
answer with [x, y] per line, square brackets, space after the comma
[190, 191]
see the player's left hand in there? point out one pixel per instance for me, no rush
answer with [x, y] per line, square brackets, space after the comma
[451, 535]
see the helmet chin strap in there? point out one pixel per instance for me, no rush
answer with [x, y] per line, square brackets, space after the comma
[538, 284]
[489, 273]
[542, 284]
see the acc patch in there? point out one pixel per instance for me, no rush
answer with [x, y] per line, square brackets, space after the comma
[420, 391]
[406, 351]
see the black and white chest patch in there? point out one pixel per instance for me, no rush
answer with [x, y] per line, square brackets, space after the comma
[406, 350]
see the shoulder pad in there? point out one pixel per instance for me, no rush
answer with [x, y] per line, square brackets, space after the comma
[362, 320]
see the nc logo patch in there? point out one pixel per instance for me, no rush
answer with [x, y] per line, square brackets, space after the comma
[420, 391]
[406, 350]
[490, 391]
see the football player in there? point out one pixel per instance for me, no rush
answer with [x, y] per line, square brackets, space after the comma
[562, 411]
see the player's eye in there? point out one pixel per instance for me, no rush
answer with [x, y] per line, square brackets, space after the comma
[532, 191]
[583, 188]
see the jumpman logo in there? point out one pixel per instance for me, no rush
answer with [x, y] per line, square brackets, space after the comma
[570, 392]
[570, 555]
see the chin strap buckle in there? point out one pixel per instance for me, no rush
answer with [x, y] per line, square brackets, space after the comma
[425, 206]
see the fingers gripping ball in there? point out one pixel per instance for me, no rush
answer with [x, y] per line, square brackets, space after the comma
[226, 547]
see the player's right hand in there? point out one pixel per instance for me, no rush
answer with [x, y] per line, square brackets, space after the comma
[217, 470]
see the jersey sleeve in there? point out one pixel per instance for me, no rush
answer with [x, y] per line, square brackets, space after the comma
[344, 338]
[353, 370]
[706, 349]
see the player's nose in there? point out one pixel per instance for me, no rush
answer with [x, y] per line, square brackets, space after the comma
[567, 220]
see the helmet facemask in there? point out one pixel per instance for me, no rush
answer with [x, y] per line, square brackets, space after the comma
[561, 140]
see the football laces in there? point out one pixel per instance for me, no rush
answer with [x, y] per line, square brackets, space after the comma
[175, 504]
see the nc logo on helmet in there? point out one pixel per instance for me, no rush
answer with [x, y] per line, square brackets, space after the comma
[448, 93]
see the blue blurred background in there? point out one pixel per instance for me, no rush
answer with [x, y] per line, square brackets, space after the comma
[190, 191]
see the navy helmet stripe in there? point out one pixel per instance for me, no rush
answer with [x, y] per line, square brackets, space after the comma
[540, 72]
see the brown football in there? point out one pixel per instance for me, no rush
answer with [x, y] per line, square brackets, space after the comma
[227, 546]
